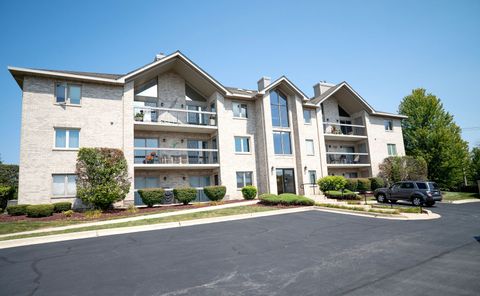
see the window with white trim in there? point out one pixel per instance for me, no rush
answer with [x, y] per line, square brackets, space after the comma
[64, 185]
[68, 93]
[307, 116]
[388, 125]
[281, 142]
[67, 138]
[310, 147]
[244, 179]
[392, 149]
[239, 110]
[242, 144]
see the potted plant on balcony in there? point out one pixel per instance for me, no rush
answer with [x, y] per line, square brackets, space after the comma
[139, 116]
[150, 158]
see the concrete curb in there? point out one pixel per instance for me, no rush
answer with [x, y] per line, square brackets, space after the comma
[463, 201]
[403, 216]
[135, 218]
[124, 230]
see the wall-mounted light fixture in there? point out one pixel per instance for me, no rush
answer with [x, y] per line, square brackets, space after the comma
[165, 178]
[164, 140]
[161, 104]
[305, 169]
[184, 178]
[273, 168]
[181, 140]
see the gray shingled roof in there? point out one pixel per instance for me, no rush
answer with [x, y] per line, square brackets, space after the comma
[241, 91]
[91, 74]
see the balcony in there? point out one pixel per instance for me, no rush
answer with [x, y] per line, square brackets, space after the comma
[174, 120]
[347, 159]
[343, 132]
[175, 158]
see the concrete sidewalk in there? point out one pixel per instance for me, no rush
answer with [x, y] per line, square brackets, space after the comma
[135, 218]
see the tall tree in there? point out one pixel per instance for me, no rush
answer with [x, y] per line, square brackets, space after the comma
[430, 132]
[475, 164]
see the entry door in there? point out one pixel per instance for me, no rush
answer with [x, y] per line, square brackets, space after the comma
[285, 181]
[200, 182]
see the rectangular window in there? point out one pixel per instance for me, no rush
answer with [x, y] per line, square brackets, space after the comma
[392, 149]
[67, 138]
[68, 93]
[239, 110]
[307, 116]
[242, 144]
[388, 125]
[279, 108]
[281, 141]
[244, 179]
[312, 177]
[64, 185]
[310, 147]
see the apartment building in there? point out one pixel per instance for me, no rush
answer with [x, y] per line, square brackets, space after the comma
[178, 126]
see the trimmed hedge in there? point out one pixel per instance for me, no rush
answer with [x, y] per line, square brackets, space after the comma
[347, 194]
[249, 192]
[285, 199]
[37, 211]
[63, 206]
[152, 196]
[215, 193]
[363, 184]
[352, 184]
[17, 210]
[377, 183]
[185, 195]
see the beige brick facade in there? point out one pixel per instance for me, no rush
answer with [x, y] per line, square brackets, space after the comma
[105, 118]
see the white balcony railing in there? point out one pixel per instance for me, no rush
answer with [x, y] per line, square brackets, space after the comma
[174, 116]
[144, 155]
[339, 157]
[332, 128]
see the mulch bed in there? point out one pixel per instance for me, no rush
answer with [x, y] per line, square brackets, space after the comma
[114, 213]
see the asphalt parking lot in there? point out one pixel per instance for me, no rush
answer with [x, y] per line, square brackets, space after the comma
[309, 253]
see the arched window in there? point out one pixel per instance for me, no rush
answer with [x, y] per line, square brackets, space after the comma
[279, 106]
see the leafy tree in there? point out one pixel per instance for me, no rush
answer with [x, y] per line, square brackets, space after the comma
[9, 177]
[430, 132]
[400, 168]
[475, 164]
[102, 176]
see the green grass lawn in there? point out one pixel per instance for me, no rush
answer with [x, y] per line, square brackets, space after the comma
[451, 196]
[11, 227]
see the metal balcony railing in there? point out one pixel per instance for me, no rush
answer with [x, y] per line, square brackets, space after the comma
[174, 116]
[332, 128]
[145, 155]
[347, 158]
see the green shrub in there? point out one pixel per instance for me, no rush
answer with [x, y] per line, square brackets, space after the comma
[185, 195]
[351, 184]
[37, 211]
[347, 194]
[17, 210]
[5, 194]
[249, 192]
[152, 196]
[215, 193]
[286, 199]
[9, 177]
[363, 184]
[332, 183]
[377, 183]
[132, 209]
[63, 206]
[102, 176]
[68, 213]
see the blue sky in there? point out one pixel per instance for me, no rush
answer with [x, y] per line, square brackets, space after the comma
[384, 49]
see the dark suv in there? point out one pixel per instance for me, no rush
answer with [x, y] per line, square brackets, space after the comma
[417, 192]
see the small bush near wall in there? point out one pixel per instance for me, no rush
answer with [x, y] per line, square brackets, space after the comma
[332, 183]
[351, 184]
[377, 183]
[17, 210]
[286, 199]
[63, 206]
[363, 184]
[185, 195]
[152, 196]
[5, 195]
[215, 193]
[249, 192]
[37, 211]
